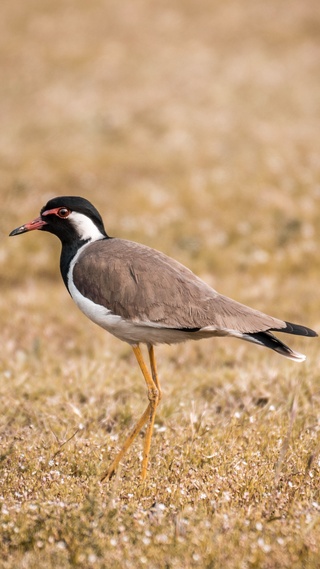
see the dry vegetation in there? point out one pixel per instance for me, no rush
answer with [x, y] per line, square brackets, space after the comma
[194, 127]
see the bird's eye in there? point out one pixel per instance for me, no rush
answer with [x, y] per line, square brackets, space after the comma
[63, 212]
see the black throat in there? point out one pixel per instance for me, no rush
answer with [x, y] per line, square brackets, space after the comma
[68, 252]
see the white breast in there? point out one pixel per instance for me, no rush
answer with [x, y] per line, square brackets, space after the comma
[96, 312]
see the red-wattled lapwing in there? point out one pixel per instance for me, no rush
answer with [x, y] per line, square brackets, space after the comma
[144, 297]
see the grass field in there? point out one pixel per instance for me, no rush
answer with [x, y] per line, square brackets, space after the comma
[194, 128]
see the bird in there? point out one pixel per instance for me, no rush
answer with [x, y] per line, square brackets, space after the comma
[142, 296]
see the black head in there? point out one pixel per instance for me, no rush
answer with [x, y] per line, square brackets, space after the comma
[71, 218]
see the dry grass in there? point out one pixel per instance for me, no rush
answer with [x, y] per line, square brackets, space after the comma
[194, 127]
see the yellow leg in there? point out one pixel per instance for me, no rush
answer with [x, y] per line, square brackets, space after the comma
[154, 372]
[128, 442]
[147, 416]
[154, 398]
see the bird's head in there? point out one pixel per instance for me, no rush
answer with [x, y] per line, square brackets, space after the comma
[71, 218]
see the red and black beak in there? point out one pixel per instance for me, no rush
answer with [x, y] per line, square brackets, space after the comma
[37, 223]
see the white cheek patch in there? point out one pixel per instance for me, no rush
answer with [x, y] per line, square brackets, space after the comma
[85, 227]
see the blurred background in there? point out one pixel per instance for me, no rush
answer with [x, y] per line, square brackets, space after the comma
[193, 126]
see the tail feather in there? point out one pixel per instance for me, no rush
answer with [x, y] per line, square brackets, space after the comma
[270, 341]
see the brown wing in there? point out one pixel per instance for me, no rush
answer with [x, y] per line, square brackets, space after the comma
[143, 285]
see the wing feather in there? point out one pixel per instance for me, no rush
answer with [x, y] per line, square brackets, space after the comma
[145, 286]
